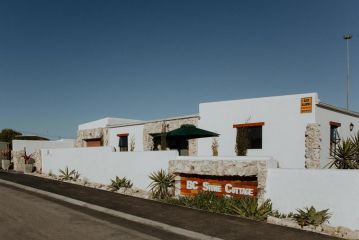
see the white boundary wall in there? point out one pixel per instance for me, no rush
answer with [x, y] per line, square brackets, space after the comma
[102, 164]
[34, 145]
[290, 189]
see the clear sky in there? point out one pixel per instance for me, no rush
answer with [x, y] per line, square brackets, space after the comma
[63, 63]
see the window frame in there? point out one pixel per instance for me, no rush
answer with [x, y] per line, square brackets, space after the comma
[251, 126]
[334, 137]
[123, 138]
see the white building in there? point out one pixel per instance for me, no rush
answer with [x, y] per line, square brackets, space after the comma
[277, 126]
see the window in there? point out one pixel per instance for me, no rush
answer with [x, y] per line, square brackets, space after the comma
[254, 137]
[334, 136]
[123, 142]
[253, 131]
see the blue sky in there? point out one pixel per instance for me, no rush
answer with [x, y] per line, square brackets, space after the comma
[63, 63]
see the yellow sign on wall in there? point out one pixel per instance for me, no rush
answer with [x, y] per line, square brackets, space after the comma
[306, 105]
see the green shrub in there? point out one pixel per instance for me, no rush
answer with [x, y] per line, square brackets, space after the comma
[242, 142]
[162, 184]
[245, 206]
[66, 174]
[119, 183]
[277, 214]
[203, 200]
[310, 216]
[250, 208]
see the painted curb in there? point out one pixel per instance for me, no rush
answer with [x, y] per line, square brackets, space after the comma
[129, 217]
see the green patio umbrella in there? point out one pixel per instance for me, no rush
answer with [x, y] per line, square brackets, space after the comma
[189, 131]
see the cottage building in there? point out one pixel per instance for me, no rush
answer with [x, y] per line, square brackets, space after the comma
[297, 130]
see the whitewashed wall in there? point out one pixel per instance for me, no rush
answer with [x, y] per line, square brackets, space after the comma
[337, 190]
[283, 132]
[323, 117]
[101, 164]
[135, 131]
[33, 145]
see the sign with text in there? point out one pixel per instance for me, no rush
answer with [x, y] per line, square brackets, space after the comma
[235, 188]
[306, 105]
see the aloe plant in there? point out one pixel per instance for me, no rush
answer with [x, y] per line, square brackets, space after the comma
[345, 155]
[66, 174]
[310, 216]
[250, 208]
[119, 183]
[161, 185]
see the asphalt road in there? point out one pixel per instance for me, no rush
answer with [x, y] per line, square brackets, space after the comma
[28, 216]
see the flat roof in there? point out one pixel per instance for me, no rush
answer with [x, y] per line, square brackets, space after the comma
[152, 121]
[338, 109]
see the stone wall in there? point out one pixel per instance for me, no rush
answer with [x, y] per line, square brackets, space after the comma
[19, 162]
[312, 146]
[156, 127]
[221, 168]
[82, 135]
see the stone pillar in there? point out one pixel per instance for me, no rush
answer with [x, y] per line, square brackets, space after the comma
[312, 146]
[19, 162]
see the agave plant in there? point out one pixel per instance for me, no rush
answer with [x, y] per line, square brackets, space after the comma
[345, 155]
[119, 183]
[310, 216]
[250, 208]
[162, 184]
[66, 174]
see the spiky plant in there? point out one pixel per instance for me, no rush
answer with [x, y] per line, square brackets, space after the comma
[162, 184]
[310, 216]
[119, 183]
[344, 156]
[66, 174]
[250, 208]
[242, 142]
[355, 141]
[132, 144]
[214, 147]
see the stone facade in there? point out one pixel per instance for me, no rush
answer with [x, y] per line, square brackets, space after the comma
[19, 162]
[312, 146]
[82, 135]
[156, 127]
[221, 168]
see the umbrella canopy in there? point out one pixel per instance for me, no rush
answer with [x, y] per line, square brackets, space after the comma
[189, 131]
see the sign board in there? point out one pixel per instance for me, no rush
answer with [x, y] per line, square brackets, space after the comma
[306, 105]
[235, 188]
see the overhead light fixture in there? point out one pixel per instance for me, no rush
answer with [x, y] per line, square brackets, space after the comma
[351, 126]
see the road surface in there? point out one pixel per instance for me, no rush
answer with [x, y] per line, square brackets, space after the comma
[28, 216]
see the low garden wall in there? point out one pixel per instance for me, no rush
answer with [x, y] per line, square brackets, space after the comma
[337, 190]
[100, 164]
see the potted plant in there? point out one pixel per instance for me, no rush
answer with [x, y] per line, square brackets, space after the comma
[28, 162]
[5, 159]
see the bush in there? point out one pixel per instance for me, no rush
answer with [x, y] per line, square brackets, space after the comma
[66, 174]
[277, 214]
[310, 216]
[245, 206]
[119, 183]
[207, 201]
[250, 208]
[162, 184]
[242, 141]
[214, 147]
[346, 154]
